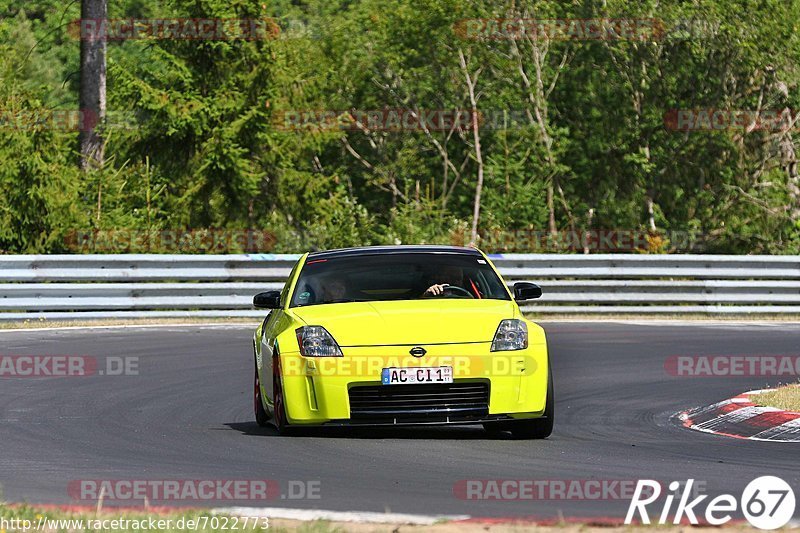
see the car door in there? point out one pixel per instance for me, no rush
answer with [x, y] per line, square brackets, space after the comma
[265, 352]
[275, 323]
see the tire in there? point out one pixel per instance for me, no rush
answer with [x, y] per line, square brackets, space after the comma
[262, 417]
[537, 428]
[279, 408]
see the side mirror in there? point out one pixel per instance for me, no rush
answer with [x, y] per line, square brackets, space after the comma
[526, 291]
[267, 300]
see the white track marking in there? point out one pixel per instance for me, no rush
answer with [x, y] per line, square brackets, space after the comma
[337, 516]
[778, 433]
[786, 432]
[734, 417]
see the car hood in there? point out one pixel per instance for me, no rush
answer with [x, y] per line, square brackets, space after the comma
[413, 322]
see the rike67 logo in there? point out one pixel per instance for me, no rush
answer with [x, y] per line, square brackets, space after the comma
[767, 502]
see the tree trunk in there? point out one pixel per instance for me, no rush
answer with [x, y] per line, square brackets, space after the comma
[476, 135]
[551, 209]
[92, 100]
[588, 234]
[651, 219]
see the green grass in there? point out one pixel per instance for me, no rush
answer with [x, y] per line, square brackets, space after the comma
[786, 398]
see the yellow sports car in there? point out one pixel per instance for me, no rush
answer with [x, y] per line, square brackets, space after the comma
[392, 335]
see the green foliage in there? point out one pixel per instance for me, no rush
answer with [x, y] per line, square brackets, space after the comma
[197, 136]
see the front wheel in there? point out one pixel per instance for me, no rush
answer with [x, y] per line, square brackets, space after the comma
[537, 428]
[279, 409]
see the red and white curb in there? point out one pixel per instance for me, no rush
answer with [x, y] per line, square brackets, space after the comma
[741, 418]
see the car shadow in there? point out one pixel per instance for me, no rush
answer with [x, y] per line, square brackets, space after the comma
[404, 432]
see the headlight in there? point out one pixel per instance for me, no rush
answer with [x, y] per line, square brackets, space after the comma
[511, 334]
[315, 341]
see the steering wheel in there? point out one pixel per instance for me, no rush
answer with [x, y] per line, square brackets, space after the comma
[457, 289]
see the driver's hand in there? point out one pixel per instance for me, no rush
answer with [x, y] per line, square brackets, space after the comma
[436, 290]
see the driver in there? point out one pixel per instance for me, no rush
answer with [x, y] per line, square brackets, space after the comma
[449, 275]
[333, 290]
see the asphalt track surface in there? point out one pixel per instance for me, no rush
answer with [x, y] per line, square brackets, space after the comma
[188, 415]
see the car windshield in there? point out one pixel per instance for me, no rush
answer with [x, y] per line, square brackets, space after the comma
[398, 276]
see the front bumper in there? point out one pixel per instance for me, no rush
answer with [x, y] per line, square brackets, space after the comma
[323, 391]
[445, 420]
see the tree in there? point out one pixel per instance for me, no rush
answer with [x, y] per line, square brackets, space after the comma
[94, 14]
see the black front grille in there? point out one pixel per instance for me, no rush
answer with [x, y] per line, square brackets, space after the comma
[426, 402]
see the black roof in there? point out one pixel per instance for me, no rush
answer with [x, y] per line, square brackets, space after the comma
[399, 249]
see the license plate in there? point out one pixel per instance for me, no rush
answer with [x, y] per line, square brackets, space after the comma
[416, 375]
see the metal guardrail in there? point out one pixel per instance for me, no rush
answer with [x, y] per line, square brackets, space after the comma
[111, 286]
